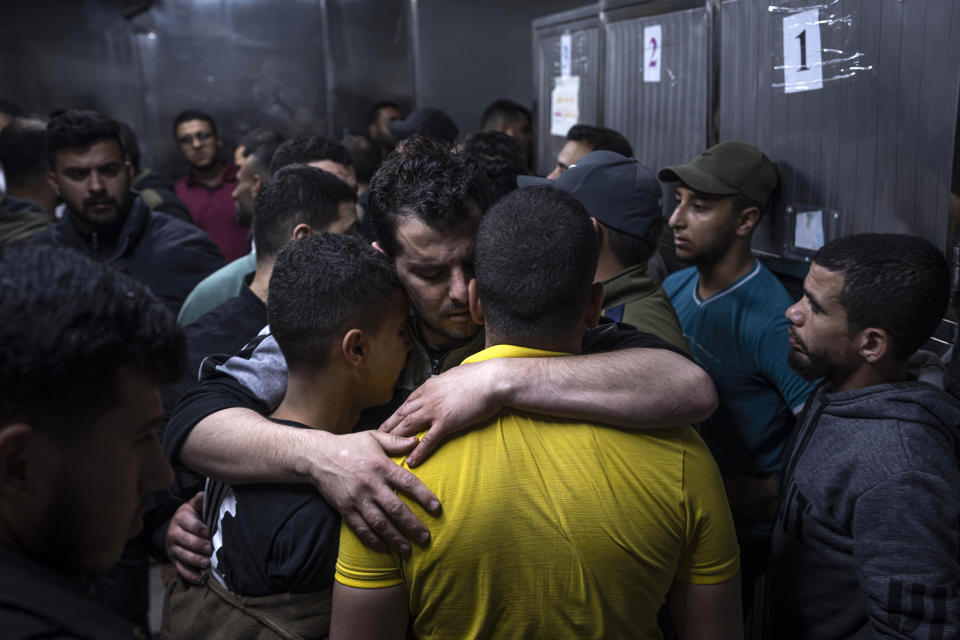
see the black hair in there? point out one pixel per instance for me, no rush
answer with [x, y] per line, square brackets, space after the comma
[296, 194]
[426, 180]
[261, 156]
[503, 112]
[68, 325]
[374, 111]
[23, 151]
[365, 154]
[894, 282]
[630, 250]
[261, 136]
[600, 139]
[10, 108]
[74, 129]
[130, 143]
[322, 286]
[500, 157]
[535, 258]
[194, 114]
[302, 149]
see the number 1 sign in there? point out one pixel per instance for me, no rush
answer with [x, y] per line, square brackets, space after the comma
[652, 53]
[802, 55]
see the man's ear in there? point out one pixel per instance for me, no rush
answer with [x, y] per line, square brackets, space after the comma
[128, 167]
[594, 306]
[598, 229]
[747, 220]
[52, 181]
[476, 307]
[354, 346]
[873, 344]
[256, 186]
[14, 458]
[302, 230]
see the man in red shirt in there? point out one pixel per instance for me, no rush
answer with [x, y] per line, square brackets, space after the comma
[207, 186]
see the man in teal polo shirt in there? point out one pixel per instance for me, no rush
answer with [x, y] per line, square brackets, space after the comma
[732, 309]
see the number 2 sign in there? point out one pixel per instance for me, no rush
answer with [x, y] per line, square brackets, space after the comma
[652, 53]
[802, 55]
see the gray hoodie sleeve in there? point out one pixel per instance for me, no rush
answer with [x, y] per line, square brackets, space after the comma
[259, 367]
[905, 533]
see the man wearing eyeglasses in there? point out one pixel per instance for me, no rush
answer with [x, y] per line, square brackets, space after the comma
[208, 184]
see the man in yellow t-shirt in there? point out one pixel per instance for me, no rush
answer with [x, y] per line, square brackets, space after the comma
[551, 528]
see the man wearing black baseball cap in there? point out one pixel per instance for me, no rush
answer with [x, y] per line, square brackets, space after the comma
[623, 200]
[732, 309]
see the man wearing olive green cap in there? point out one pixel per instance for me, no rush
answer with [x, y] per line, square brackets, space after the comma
[731, 309]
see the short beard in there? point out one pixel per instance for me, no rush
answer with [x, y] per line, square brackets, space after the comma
[815, 366]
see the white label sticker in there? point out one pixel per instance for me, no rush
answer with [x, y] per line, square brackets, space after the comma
[808, 232]
[802, 55]
[652, 53]
[564, 105]
[566, 52]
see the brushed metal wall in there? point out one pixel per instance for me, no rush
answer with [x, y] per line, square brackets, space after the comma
[586, 61]
[307, 66]
[874, 148]
[876, 143]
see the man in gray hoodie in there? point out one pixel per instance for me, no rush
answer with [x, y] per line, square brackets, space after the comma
[866, 539]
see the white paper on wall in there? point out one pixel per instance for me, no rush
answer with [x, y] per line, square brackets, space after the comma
[566, 53]
[802, 54]
[652, 53]
[564, 104]
[808, 231]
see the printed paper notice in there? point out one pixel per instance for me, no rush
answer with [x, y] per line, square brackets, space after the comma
[564, 105]
[802, 55]
[652, 53]
[566, 54]
[808, 233]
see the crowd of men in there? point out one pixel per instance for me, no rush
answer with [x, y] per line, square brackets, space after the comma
[394, 386]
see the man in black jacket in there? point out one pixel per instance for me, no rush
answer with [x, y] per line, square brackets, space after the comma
[91, 173]
[865, 543]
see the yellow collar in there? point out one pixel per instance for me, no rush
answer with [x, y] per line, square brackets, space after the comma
[511, 351]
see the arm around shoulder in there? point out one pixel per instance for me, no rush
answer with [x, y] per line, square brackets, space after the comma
[636, 388]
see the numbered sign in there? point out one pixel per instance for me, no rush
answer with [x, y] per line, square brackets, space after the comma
[566, 53]
[652, 53]
[802, 54]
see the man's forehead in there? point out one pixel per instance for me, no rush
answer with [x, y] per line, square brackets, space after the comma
[823, 283]
[388, 113]
[419, 242]
[192, 126]
[699, 195]
[98, 153]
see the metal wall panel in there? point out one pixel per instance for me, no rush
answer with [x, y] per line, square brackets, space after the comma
[875, 144]
[69, 54]
[665, 122]
[586, 32]
[227, 59]
[468, 54]
[307, 66]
